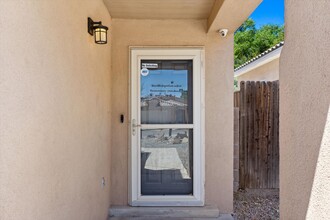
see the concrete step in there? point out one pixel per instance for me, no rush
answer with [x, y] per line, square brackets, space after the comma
[221, 217]
[162, 213]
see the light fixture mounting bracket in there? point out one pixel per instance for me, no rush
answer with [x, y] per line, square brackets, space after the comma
[91, 24]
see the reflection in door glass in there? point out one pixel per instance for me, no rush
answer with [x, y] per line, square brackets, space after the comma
[166, 162]
[166, 92]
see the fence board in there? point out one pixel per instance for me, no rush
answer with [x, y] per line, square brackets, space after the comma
[249, 132]
[258, 103]
[242, 141]
[236, 99]
[276, 118]
[269, 135]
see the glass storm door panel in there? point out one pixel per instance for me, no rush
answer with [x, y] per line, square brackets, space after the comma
[166, 92]
[166, 162]
[166, 96]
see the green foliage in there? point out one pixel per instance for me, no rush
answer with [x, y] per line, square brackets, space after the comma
[250, 42]
[235, 84]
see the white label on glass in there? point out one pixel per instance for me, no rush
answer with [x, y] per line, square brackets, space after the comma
[150, 65]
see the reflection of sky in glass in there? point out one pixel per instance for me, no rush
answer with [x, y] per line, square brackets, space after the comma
[164, 82]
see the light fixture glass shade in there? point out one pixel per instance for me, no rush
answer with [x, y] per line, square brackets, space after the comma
[100, 33]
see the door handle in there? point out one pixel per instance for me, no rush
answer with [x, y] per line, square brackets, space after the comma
[134, 126]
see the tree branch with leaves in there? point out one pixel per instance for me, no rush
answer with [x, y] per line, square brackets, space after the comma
[249, 41]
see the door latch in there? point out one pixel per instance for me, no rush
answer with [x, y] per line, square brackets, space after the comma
[134, 126]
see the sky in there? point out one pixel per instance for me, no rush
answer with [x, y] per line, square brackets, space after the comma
[269, 12]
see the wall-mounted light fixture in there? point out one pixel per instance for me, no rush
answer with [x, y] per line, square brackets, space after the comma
[98, 30]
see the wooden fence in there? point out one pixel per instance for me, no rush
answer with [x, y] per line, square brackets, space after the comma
[258, 104]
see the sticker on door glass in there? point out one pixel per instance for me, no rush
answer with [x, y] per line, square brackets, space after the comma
[150, 65]
[144, 72]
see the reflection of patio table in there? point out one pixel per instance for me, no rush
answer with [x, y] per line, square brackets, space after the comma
[165, 159]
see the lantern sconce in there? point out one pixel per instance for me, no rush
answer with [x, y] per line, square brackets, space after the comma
[98, 30]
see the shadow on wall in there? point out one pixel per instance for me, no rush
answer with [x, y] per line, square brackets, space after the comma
[307, 182]
[320, 188]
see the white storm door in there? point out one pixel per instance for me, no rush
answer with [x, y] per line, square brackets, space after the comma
[167, 130]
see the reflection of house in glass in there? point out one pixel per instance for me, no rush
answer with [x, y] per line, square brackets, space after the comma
[166, 161]
[164, 110]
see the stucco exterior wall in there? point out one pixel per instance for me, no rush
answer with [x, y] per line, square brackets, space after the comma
[304, 111]
[219, 90]
[54, 111]
[266, 72]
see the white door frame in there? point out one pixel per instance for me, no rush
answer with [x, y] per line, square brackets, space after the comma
[158, 53]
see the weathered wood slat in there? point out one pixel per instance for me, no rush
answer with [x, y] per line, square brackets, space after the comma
[253, 156]
[270, 134]
[263, 135]
[250, 136]
[236, 99]
[241, 138]
[276, 117]
[256, 133]
[247, 125]
[245, 146]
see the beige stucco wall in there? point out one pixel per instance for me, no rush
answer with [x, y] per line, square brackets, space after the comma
[54, 111]
[219, 90]
[266, 72]
[304, 111]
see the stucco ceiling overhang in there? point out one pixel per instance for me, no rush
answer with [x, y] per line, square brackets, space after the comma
[160, 9]
[229, 14]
